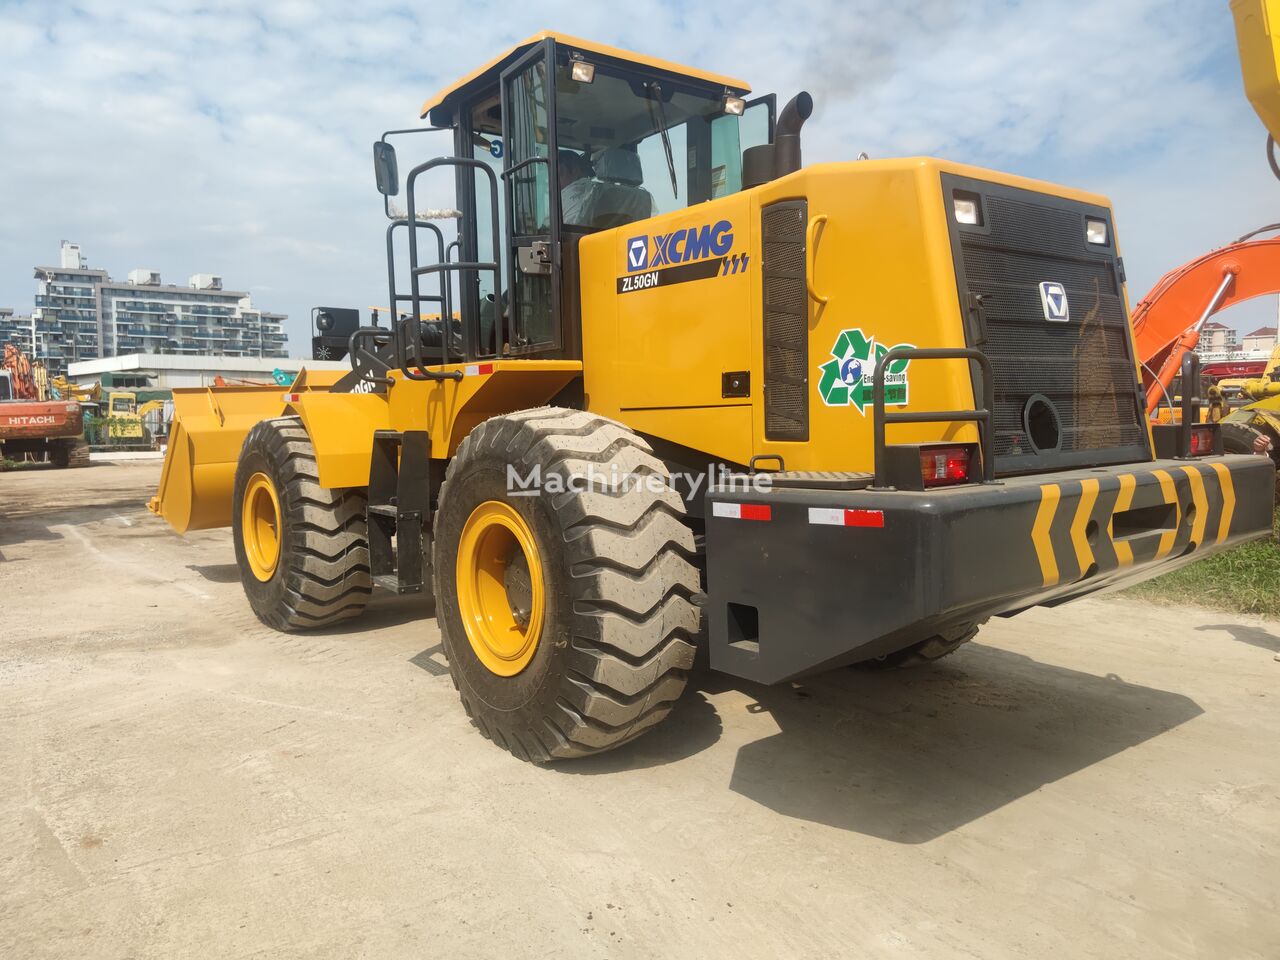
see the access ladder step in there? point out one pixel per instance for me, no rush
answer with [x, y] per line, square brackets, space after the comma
[398, 509]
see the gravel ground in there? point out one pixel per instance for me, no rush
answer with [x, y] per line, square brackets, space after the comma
[177, 781]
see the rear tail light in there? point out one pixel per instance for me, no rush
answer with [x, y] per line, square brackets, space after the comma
[1201, 441]
[942, 466]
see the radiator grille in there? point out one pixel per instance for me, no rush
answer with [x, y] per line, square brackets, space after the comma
[786, 341]
[1083, 367]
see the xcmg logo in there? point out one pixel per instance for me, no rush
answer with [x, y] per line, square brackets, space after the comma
[682, 246]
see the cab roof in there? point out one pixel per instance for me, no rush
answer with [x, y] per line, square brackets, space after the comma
[490, 71]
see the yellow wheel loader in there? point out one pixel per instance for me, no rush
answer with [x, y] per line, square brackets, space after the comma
[679, 391]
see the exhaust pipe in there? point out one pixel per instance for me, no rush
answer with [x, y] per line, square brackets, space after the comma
[773, 160]
[786, 136]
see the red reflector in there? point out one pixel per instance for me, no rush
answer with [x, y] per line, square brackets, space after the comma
[486, 368]
[1201, 441]
[943, 465]
[864, 518]
[757, 511]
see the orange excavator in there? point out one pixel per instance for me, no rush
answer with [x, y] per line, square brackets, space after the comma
[32, 425]
[1168, 321]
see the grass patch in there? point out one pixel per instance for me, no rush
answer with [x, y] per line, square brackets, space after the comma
[1243, 580]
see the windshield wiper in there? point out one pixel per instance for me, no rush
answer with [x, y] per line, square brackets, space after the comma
[655, 93]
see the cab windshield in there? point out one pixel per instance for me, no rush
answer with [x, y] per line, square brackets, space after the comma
[632, 146]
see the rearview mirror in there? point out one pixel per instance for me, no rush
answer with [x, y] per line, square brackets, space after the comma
[385, 168]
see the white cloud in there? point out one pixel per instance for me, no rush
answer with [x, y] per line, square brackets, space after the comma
[234, 137]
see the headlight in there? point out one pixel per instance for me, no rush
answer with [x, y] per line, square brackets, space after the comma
[1095, 231]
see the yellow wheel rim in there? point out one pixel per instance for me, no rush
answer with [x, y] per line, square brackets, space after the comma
[501, 594]
[260, 526]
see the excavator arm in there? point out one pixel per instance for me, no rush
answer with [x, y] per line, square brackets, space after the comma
[1168, 321]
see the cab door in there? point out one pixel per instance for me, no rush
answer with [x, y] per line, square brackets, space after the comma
[532, 202]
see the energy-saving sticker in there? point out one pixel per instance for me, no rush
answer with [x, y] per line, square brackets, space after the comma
[848, 376]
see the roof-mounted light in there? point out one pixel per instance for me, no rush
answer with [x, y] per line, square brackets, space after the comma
[582, 71]
[734, 105]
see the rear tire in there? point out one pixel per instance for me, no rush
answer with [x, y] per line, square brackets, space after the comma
[927, 651]
[1239, 437]
[613, 583]
[320, 573]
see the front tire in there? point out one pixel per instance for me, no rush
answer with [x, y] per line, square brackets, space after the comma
[302, 549]
[566, 616]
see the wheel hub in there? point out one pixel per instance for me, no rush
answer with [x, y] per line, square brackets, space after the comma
[501, 594]
[260, 526]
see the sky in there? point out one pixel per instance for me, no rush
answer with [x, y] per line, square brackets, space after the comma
[234, 137]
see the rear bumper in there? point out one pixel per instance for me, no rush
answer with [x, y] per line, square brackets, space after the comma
[800, 592]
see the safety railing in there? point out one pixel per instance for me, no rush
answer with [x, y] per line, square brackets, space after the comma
[408, 339]
[881, 418]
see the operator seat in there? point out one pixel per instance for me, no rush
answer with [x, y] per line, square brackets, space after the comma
[615, 196]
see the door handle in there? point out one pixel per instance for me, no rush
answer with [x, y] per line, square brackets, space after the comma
[811, 258]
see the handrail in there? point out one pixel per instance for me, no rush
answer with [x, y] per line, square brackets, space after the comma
[527, 161]
[445, 269]
[356, 349]
[983, 417]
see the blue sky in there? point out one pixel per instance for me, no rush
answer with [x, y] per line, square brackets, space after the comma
[233, 138]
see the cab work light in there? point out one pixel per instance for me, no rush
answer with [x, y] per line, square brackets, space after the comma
[582, 71]
[942, 466]
[1095, 231]
[734, 105]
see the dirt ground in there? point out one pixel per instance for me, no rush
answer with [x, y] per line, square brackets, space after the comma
[178, 781]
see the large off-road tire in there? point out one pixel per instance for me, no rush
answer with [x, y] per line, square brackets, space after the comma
[930, 650]
[302, 549]
[566, 616]
[1240, 437]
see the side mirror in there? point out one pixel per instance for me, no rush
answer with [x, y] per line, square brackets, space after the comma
[385, 168]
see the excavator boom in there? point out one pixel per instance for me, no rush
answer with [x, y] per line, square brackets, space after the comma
[1167, 322]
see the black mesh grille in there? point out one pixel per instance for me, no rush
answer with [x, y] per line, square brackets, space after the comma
[1083, 367]
[786, 340]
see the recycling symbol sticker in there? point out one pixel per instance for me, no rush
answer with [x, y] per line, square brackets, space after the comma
[847, 378]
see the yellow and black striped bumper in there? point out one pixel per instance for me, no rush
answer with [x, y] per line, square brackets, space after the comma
[802, 580]
[1111, 521]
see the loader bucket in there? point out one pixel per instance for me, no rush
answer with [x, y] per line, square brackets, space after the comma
[208, 430]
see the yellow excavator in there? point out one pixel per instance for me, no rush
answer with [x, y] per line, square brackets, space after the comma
[683, 392]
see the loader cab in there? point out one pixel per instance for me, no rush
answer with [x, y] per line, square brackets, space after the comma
[556, 139]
